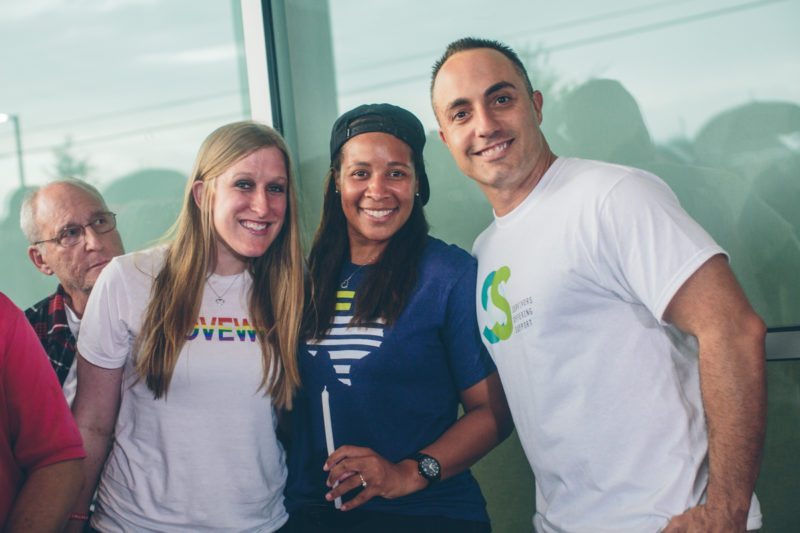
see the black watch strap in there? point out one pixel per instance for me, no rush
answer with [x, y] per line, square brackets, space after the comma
[428, 467]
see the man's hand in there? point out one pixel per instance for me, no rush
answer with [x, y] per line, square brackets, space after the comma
[701, 519]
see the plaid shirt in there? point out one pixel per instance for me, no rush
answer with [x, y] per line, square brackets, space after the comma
[49, 320]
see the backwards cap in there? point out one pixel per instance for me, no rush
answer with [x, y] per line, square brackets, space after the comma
[384, 118]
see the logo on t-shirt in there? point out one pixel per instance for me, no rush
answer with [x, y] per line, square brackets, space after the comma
[222, 328]
[496, 307]
[345, 344]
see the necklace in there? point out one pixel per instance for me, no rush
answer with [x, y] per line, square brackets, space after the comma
[220, 300]
[346, 283]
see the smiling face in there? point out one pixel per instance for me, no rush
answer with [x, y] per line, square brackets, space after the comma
[60, 205]
[377, 184]
[490, 124]
[248, 207]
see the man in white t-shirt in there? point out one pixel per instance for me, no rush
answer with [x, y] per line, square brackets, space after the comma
[632, 360]
[72, 235]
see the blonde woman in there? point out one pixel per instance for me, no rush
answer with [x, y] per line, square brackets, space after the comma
[183, 357]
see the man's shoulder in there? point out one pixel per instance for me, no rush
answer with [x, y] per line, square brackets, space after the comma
[9, 311]
[588, 184]
[575, 183]
[601, 173]
[39, 311]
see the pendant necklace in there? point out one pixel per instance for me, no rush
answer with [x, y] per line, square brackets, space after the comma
[346, 283]
[220, 300]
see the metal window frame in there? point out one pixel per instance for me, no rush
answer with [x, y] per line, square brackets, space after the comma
[783, 343]
[260, 57]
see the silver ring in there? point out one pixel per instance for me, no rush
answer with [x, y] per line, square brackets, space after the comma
[363, 481]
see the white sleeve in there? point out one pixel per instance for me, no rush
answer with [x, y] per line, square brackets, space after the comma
[649, 245]
[105, 338]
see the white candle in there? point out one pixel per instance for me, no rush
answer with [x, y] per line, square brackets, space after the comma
[326, 418]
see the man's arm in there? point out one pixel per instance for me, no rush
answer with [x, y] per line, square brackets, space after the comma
[47, 497]
[712, 306]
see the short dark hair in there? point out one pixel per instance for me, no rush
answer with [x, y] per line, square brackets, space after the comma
[471, 43]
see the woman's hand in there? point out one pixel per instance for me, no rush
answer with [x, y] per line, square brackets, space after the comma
[353, 467]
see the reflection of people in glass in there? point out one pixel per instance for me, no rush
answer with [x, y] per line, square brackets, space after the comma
[770, 223]
[392, 349]
[29, 284]
[759, 140]
[72, 235]
[616, 325]
[185, 348]
[603, 121]
[147, 202]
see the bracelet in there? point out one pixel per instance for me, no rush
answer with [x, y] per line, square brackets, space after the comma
[83, 517]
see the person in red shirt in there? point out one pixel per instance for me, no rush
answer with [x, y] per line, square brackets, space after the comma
[41, 452]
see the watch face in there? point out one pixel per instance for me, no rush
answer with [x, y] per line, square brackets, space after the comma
[430, 467]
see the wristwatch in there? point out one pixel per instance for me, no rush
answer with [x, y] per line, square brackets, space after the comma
[429, 467]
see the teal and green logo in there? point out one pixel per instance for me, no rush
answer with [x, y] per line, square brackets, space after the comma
[498, 332]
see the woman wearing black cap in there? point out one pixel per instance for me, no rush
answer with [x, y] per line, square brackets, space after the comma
[392, 347]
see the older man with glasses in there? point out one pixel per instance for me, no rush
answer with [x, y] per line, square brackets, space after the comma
[73, 236]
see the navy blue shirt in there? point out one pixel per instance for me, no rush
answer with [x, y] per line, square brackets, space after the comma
[394, 390]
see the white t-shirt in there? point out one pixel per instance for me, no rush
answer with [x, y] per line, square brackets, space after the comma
[70, 385]
[572, 286]
[204, 457]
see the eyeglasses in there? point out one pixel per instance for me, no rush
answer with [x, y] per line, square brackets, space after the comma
[72, 235]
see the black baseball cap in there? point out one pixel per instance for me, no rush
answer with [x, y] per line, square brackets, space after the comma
[384, 118]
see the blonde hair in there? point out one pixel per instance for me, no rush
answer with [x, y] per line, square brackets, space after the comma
[276, 299]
